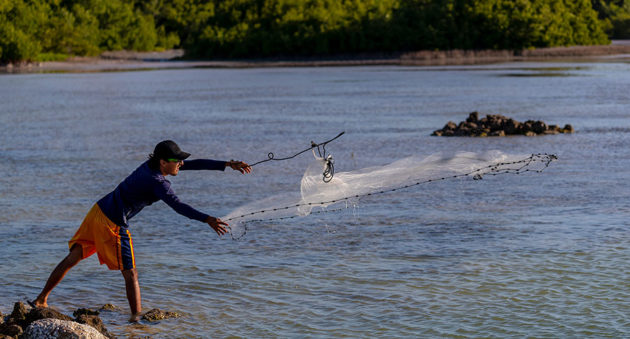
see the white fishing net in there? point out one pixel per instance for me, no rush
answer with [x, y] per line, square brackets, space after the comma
[346, 188]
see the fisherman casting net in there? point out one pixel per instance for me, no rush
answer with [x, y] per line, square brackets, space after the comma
[344, 189]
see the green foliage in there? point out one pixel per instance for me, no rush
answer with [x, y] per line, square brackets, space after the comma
[615, 16]
[43, 29]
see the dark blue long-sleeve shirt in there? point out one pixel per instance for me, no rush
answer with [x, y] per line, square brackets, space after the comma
[145, 186]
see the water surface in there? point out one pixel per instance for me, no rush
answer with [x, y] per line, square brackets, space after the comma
[541, 255]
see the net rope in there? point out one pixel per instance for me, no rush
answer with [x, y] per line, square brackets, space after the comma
[349, 187]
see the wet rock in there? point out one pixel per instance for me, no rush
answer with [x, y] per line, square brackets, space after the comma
[498, 125]
[85, 311]
[473, 117]
[110, 307]
[497, 133]
[10, 330]
[567, 129]
[19, 313]
[157, 314]
[95, 322]
[43, 313]
[55, 328]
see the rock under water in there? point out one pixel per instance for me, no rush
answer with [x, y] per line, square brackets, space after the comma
[157, 315]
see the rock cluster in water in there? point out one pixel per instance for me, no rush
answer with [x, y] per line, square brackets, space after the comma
[157, 315]
[27, 323]
[499, 126]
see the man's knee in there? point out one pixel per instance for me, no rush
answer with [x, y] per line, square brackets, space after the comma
[130, 274]
[75, 255]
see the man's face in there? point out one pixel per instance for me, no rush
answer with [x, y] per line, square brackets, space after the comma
[170, 167]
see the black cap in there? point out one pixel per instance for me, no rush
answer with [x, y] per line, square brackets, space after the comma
[168, 149]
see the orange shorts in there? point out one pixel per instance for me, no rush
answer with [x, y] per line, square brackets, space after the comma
[112, 243]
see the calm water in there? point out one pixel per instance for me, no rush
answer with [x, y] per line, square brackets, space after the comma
[541, 255]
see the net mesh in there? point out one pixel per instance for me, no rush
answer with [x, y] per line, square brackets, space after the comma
[346, 188]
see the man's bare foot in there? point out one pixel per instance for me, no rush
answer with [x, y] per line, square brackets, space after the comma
[135, 318]
[37, 304]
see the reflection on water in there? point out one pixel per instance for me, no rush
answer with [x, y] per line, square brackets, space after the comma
[529, 255]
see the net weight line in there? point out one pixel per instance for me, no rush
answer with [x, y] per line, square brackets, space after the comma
[329, 168]
[477, 174]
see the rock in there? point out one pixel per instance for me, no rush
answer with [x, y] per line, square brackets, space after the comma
[95, 322]
[110, 307]
[567, 129]
[512, 127]
[43, 313]
[539, 127]
[157, 314]
[473, 117]
[85, 311]
[11, 330]
[450, 125]
[19, 313]
[498, 125]
[55, 328]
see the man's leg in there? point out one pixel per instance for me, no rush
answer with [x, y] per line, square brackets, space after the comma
[73, 258]
[133, 293]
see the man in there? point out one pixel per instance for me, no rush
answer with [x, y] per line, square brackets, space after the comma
[105, 230]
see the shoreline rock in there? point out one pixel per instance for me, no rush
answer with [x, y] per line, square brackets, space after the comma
[55, 328]
[499, 126]
[23, 318]
[27, 322]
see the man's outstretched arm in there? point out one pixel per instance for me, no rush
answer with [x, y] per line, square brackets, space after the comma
[216, 165]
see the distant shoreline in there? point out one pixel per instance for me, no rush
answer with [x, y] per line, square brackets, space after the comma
[129, 61]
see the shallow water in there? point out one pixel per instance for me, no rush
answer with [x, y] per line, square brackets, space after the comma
[539, 255]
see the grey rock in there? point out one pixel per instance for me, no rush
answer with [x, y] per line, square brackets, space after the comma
[55, 328]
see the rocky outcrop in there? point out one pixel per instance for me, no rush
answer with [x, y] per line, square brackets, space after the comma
[55, 328]
[500, 126]
[157, 315]
[17, 324]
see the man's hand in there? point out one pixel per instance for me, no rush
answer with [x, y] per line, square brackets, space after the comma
[239, 166]
[217, 225]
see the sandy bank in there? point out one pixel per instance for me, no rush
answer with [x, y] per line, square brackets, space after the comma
[128, 61]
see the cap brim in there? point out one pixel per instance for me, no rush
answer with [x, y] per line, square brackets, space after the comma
[183, 156]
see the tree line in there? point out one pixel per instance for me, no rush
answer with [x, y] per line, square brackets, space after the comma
[40, 30]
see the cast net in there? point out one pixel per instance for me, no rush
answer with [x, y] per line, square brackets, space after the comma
[320, 193]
